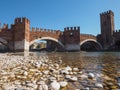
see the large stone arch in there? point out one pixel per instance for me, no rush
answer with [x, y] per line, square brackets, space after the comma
[81, 43]
[47, 38]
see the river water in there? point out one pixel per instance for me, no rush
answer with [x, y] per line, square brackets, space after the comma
[106, 63]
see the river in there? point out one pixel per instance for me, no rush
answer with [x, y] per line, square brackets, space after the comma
[107, 63]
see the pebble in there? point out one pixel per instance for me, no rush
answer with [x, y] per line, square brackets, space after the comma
[25, 73]
[55, 85]
[91, 75]
[73, 79]
[63, 83]
[75, 69]
[99, 85]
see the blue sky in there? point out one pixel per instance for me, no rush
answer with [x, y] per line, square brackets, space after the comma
[58, 14]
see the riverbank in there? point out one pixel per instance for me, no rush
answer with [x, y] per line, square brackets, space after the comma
[43, 73]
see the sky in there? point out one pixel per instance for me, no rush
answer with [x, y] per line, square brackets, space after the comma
[58, 14]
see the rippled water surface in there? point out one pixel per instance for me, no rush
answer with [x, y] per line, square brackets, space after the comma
[103, 62]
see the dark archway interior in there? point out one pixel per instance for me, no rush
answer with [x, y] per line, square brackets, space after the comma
[45, 45]
[116, 46]
[90, 46]
[3, 48]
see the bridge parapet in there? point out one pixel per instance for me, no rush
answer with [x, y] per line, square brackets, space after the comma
[87, 36]
[116, 31]
[36, 33]
[5, 32]
[34, 30]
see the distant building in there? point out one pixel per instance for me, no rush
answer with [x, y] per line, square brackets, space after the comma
[109, 38]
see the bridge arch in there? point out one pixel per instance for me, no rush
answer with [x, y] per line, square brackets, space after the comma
[3, 41]
[4, 45]
[47, 38]
[92, 40]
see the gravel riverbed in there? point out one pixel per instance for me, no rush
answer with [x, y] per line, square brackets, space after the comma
[43, 73]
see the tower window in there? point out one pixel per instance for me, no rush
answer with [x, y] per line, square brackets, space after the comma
[71, 34]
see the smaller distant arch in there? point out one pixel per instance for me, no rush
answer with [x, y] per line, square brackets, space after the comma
[3, 41]
[93, 40]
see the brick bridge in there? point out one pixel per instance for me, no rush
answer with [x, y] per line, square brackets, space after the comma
[19, 37]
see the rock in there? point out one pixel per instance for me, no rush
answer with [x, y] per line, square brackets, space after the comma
[41, 83]
[17, 83]
[80, 72]
[64, 71]
[83, 76]
[38, 65]
[67, 76]
[98, 85]
[52, 79]
[75, 69]
[55, 85]
[25, 73]
[56, 66]
[46, 72]
[8, 87]
[63, 83]
[87, 88]
[68, 68]
[30, 84]
[91, 75]
[74, 79]
[42, 87]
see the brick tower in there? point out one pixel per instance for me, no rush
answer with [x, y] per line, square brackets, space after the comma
[107, 28]
[72, 38]
[21, 29]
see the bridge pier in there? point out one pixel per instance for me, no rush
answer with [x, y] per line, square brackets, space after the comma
[72, 47]
[72, 38]
[21, 46]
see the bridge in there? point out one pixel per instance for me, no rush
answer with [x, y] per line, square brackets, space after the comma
[19, 37]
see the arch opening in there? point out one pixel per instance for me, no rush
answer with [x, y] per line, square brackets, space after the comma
[90, 45]
[3, 45]
[46, 44]
[115, 46]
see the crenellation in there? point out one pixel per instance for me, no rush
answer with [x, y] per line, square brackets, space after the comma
[58, 32]
[41, 29]
[75, 28]
[71, 28]
[37, 29]
[67, 28]
[51, 31]
[54, 31]
[44, 30]
[107, 13]
[5, 26]
[19, 20]
[33, 29]
[78, 28]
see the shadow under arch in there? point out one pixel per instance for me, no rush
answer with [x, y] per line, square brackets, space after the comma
[91, 40]
[5, 43]
[47, 38]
